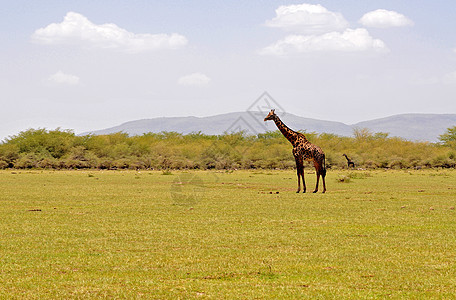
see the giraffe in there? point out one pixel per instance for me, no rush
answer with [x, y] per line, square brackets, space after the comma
[349, 161]
[302, 150]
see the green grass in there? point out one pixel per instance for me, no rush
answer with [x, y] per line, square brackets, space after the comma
[112, 234]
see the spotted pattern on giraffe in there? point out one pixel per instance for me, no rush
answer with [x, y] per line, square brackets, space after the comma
[303, 150]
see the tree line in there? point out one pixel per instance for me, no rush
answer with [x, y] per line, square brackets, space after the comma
[62, 149]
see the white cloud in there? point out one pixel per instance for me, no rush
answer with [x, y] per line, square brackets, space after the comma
[77, 29]
[351, 40]
[425, 80]
[62, 78]
[446, 79]
[449, 78]
[382, 18]
[307, 19]
[194, 79]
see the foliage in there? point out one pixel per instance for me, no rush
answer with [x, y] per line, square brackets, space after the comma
[62, 149]
[449, 137]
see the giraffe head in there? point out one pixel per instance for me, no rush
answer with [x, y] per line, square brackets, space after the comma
[270, 116]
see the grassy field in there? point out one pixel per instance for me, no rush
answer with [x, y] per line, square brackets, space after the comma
[242, 234]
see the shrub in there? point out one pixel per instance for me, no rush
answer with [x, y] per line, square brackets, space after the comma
[3, 164]
[48, 163]
[170, 150]
[26, 161]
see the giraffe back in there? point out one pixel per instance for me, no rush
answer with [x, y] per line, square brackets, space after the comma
[308, 151]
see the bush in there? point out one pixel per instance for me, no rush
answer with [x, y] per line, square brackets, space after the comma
[3, 164]
[170, 150]
[27, 161]
[49, 163]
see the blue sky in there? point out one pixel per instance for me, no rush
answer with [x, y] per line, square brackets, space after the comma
[87, 65]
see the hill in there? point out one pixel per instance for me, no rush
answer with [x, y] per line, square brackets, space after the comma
[415, 127]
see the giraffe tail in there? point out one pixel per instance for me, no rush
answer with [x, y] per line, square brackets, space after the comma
[323, 171]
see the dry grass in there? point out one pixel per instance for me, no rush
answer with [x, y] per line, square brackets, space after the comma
[243, 234]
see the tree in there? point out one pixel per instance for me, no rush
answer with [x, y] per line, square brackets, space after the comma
[449, 137]
[362, 133]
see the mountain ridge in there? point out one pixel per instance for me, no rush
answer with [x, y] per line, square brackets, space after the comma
[411, 126]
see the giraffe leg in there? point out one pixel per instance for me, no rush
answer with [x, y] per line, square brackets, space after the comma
[318, 179]
[303, 180]
[323, 175]
[300, 173]
[317, 171]
[299, 179]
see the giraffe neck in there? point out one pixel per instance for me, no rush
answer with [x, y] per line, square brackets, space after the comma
[289, 134]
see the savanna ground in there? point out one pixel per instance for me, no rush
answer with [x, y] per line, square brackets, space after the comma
[242, 234]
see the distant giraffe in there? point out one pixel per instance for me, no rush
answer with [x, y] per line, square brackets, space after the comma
[302, 150]
[349, 161]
